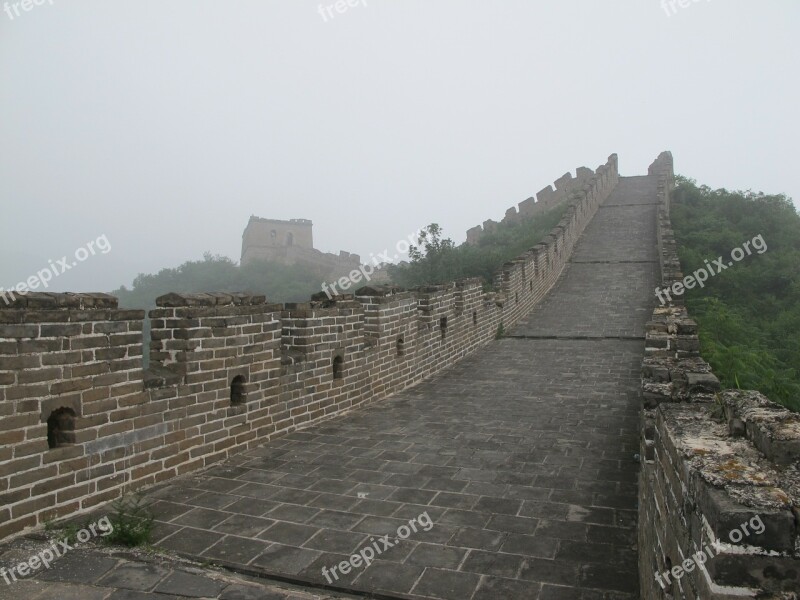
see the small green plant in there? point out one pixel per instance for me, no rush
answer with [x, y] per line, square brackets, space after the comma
[132, 522]
[718, 410]
[63, 531]
[501, 331]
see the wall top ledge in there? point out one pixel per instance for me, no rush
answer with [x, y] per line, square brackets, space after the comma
[51, 301]
[174, 300]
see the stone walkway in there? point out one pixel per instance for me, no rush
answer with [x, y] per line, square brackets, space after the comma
[522, 456]
[101, 573]
[517, 467]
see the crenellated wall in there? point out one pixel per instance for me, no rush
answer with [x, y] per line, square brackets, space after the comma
[716, 465]
[546, 199]
[82, 423]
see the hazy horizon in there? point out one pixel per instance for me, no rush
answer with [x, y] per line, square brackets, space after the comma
[163, 127]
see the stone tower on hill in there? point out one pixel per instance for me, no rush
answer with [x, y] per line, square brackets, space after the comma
[291, 242]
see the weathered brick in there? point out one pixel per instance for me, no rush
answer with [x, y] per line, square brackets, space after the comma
[73, 385]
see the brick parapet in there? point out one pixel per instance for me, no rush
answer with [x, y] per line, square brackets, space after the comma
[228, 372]
[712, 461]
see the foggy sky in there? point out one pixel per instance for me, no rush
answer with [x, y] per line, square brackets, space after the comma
[164, 125]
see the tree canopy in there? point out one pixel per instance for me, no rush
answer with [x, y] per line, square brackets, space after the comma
[749, 314]
[438, 260]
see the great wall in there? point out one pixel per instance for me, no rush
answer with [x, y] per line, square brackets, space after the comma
[535, 431]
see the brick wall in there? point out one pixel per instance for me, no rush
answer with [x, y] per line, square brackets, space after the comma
[81, 423]
[565, 187]
[713, 461]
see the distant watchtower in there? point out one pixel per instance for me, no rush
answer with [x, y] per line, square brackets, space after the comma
[270, 239]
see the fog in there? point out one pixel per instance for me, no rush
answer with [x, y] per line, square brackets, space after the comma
[162, 126]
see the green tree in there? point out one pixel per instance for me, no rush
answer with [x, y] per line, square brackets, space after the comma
[436, 259]
[749, 314]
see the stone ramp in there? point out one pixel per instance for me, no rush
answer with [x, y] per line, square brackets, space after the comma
[607, 288]
[521, 455]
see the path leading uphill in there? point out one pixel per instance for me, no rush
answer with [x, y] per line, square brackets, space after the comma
[522, 455]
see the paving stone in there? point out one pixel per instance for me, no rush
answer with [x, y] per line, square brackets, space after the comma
[236, 550]
[379, 526]
[397, 553]
[478, 538]
[493, 563]
[201, 518]
[166, 511]
[131, 576]
[564, 530]
[334, 502]
[214, 500]
[190, 541]
[445, 485]
[439, 583]
[453, 500]
[584, 553]
[222, 486]
[435, 555]
[400, 480]
[550, 571]
[619, 536]
[260, 476]
[71, 591]
[180, 583]
[294, 496]
[333, 486]
[413, 496]
[496, 588]
[335, 519]
[134, 595]
[292, 534]
[414, 511]
[530, 545]
[279, 558]
[591, 514]
[247, 506]
[326, 569]
[27, 589]
[259, 491]
[623, 578]
[75, 567]
[330, 540]
[465, 518]
[292, 513]
[501, 506]
[389, 577]
[250, 592]
[524, 525]
[243, 525]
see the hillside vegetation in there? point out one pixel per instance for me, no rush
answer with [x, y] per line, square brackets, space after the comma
[279, 283]
[438, 260]
[749, 314]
